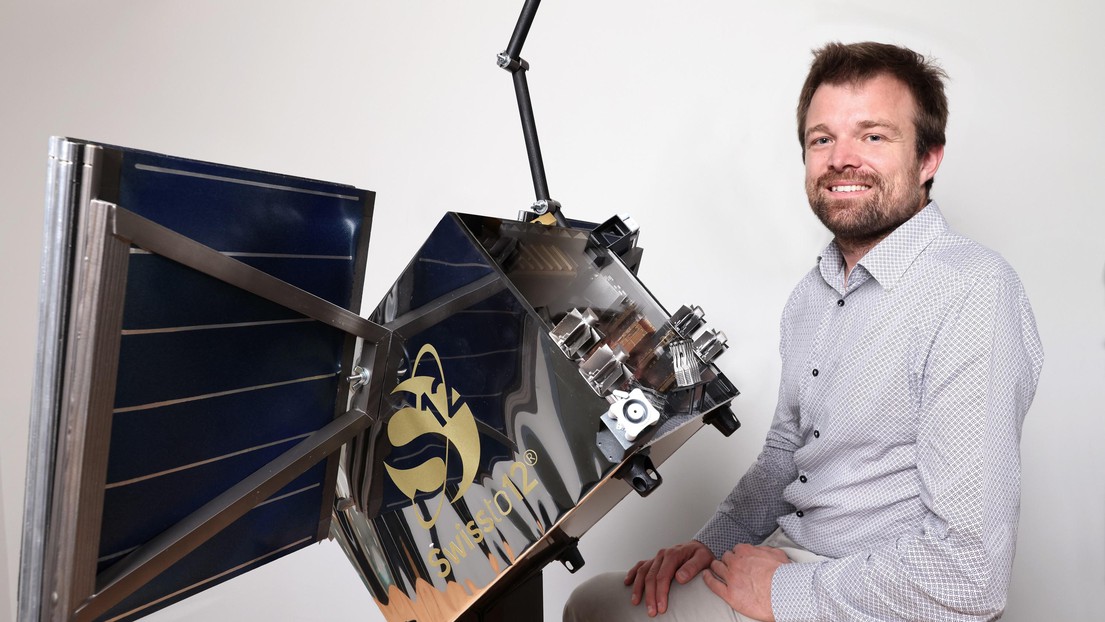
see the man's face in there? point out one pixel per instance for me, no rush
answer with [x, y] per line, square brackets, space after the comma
[863, 176]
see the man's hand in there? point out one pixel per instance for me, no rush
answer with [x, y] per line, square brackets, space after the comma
[652, 578]
[742, 578]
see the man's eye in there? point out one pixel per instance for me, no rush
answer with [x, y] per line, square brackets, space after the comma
[822, 140]
[874, 138]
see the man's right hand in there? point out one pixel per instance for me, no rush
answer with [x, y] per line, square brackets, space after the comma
[652, 578]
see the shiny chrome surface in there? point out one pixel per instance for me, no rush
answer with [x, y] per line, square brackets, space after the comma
[490, 453]
[52, 312]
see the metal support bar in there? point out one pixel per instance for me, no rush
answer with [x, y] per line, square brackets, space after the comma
[61, 201]
[529, 133]
[521, 29]
[91, 360]
[511, 61]
[362, 447]
[165, 549]
[184, 250]
[417, 320]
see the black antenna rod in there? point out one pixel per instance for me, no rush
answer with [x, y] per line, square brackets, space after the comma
[511, 60]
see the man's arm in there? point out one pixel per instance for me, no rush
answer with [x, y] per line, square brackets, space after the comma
[747, 514]
[979, 380]
[750, 512]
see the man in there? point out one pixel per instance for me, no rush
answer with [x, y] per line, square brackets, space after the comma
[888, 486]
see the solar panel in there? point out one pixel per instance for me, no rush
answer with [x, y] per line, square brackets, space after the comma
[213, 382]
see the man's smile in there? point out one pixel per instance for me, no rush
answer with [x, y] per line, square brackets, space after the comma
[849, 188]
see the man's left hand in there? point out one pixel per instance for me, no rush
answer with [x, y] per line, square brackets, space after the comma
[742, 578]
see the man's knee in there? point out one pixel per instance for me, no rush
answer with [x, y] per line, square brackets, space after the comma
[597, 599]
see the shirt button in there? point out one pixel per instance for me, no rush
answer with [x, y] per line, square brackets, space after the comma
[803, 479]
[815, 372]
[840, 303]
[816, 434]
[799, 513]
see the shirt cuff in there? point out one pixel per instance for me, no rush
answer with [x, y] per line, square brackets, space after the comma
[792, 598]
[713, 541]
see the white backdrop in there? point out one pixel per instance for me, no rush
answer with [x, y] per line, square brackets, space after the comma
[678, 113]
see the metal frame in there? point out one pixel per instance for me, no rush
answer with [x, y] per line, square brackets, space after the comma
[53, 312]
[75, 390]
[91, 359]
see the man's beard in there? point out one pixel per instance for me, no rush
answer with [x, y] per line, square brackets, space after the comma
[870, 219]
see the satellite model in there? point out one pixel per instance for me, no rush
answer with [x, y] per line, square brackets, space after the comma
[207, 398]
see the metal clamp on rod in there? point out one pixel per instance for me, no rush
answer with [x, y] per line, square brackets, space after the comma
[546, 205]
[512, 64]
[511, 60]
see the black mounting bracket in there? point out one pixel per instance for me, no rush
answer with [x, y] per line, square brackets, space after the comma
[723, 419]
[570, 556]
[639, 472]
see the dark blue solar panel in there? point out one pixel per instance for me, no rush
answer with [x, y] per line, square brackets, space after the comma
[179, 490]
[274, 528]
[163, 438]
[478, 347]
[159, 367]
[233, 209]
[215, 382]
[446, 262]
[162, 293]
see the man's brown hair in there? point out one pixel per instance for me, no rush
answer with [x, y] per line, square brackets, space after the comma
[837, 63]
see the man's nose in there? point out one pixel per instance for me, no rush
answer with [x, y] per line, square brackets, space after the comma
[843, 155]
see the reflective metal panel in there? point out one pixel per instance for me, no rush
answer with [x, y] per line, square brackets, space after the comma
[492, 433]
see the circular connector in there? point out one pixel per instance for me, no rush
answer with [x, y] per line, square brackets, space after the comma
[635, 411]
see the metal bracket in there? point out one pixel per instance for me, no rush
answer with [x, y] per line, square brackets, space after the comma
[639, 472]
[723, 419]
[710, 345]
[630, 414]
[575, 333]
[605, 369]
[511, 64]
[687, 320]
[571, 557]
[544, 205]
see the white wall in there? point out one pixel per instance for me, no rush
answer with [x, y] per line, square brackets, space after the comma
[679, 113]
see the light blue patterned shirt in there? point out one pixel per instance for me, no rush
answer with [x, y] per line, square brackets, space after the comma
[895, 443]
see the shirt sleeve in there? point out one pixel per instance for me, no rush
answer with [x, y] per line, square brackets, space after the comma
[750, 512]
[979, 380]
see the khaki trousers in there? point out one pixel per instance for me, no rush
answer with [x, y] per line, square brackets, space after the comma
[605, 598]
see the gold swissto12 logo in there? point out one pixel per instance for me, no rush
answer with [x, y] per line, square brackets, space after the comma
[440, 411]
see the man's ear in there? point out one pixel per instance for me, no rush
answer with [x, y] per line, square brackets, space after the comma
[930, 162]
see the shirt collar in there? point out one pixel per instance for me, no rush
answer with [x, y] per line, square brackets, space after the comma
[891, 257]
